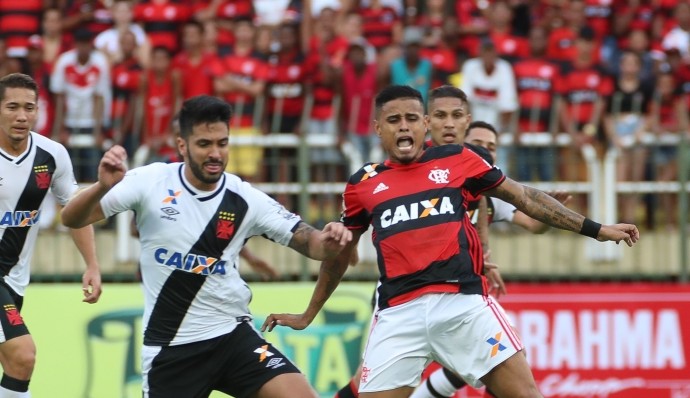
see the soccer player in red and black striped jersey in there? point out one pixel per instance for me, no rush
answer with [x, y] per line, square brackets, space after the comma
[433, 298]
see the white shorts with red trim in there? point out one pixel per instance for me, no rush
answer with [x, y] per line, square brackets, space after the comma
[468, 334]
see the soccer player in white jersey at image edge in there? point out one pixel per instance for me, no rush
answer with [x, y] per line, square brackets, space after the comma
[193, 219]
[30, 165]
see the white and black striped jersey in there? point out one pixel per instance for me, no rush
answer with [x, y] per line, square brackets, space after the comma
[24, 183]
[190, 244]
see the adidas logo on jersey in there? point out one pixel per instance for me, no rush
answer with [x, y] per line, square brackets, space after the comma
[380, 187]
[193, 263]
[417, 210]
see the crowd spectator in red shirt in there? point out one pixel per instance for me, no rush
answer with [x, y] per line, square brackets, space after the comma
[19, 19]
[92, 15]
[240, 77]
[359, 87]
[381, 24]
[473, 23]
[161, 90]
[508, 45]
[286, 76]
[126, 76]
[226, 13]
[53, 41]
[561, 45]
[584, 87]
[194, 62]
[535, 78]
[162, 20]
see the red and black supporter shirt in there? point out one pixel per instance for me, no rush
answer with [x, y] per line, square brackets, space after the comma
[162, 22]
[250, 68]
[286, 77]
[231, 10]
[378, 25]
[424, 241]
[197, 78]
[126, 77]
[582, 88]
[19, 19]
[535, 79]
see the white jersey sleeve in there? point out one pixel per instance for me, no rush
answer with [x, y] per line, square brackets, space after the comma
[63, 185]
[128, 193]
[273, 220]
[503, 211]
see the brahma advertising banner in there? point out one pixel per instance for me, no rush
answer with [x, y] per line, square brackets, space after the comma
[582, 340]
[604, 340]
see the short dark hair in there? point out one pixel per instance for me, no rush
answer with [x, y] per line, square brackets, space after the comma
[447, 91]
[478, 124]
[203, 109]
[17, 80]
[394, 92]
[195, 24]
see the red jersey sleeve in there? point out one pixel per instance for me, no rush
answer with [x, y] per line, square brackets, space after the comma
[480, 175]
[354, 215]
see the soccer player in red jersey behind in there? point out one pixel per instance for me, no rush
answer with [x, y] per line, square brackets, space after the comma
[433, 300]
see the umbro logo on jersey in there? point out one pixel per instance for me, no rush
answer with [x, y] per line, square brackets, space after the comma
[169, 213]
[193, 263]
[172, 197]
[275, 363]
[439, 176]
[263, 352]
[380, 187]
[417, 210]
[20, 218]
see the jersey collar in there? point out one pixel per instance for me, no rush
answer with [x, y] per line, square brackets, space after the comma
[198, 194]
[19, 159]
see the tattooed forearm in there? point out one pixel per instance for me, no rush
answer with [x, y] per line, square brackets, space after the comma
[548, 210]
[300, 238]
[539, 205]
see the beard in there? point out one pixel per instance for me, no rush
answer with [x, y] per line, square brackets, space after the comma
[200, 174]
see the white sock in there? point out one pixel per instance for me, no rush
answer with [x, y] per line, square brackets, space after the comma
[439, 383]
[5, 393]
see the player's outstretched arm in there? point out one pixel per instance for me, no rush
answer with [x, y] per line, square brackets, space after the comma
[330, 274]
[320, 245]
[84, 208]
[539, 205]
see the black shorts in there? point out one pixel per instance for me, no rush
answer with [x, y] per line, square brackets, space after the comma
[238, 364]
[11, 320]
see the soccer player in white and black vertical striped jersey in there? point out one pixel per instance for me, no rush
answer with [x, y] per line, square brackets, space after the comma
[30, 164]
[193, 219]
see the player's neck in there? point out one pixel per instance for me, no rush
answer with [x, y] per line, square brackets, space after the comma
[13, 147]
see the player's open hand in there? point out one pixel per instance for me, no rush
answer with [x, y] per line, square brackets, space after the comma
[113, 166]
[294, 321]
[91, 285]
[619, 232]
[335, 236]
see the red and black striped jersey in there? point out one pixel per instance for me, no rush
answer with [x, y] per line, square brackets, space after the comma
[197, 76]
[582, 88]
[535, 79]
[378, 25]
[162, 22]
[286, 78]
[249, 68]
[19, 19]
[424, 241]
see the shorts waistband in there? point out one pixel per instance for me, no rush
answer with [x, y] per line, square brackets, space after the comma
[244, 318]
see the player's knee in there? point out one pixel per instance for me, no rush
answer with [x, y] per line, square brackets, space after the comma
[20, 363]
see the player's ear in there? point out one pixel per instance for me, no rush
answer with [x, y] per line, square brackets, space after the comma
[377, 127]
[181, 145]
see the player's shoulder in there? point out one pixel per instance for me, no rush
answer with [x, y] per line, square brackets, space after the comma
[481, 151]
[46, 144]
[369, 170]
[153, 172]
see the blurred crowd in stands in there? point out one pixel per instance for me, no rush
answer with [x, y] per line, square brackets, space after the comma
[605, 72]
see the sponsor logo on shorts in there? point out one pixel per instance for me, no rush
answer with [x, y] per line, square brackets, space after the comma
[13, 315]
[263, 353]
[495, 343]
[365, 374]
[275, 363]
